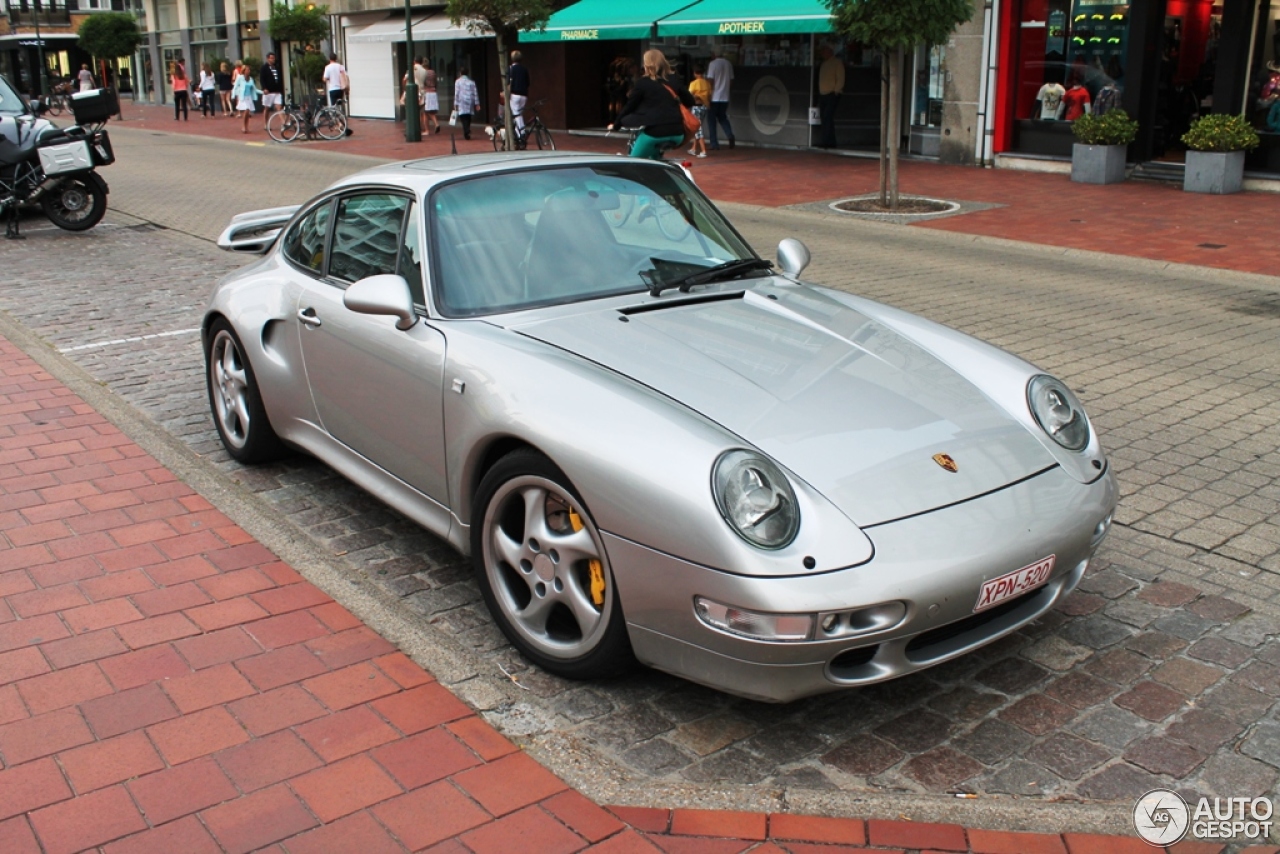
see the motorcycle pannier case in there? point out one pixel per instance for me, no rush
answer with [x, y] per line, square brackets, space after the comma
[66, 157]
[94, 106]
[100, 148]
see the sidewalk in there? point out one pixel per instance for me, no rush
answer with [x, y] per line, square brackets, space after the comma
[168, 685]
[1140, 219]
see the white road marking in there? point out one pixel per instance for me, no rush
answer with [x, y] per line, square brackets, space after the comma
[133, 340]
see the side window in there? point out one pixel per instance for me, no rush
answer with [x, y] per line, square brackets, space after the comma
[411, 256]
[304, 243]
[366, 236]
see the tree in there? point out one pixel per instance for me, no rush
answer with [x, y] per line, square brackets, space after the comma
[893, 27]
[306, 25]
[503, 18]
[109, 36]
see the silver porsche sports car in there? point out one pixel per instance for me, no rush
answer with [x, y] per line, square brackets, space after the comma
[654, 445]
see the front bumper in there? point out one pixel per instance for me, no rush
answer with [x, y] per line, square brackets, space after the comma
[935, 563]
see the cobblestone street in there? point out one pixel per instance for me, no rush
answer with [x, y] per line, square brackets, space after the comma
[1162, 670]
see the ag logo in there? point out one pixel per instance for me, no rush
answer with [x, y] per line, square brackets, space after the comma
[1161, 817]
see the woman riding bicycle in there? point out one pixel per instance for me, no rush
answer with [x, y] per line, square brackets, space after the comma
[654, 107]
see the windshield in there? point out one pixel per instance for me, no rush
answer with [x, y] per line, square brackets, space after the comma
[10, 103]
[522, 239]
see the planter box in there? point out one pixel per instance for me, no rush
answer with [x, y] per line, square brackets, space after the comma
[1217, 172]
[1097, 164]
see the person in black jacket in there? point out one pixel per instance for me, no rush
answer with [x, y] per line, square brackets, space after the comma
[272, 88]
[654, 107]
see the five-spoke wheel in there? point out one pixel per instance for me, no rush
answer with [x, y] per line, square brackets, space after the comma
[237, 406]
[544, 572]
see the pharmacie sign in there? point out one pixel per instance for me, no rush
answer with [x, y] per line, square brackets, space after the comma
[579, 35]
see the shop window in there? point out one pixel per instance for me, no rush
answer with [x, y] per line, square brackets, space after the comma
[1066, 44]
[930, 80]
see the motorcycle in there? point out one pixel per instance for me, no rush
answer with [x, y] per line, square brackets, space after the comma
[51, 167]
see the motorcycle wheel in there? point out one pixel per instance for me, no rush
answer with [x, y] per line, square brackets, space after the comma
[78, 204]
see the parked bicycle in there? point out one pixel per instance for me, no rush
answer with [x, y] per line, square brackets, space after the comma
[59, 99]
[314, 121]
[533, 129]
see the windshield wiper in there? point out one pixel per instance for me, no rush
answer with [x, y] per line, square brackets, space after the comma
[707, 275]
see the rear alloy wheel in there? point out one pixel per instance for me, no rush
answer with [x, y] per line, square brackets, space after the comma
[77, 204]
[542, 567]
[237, 407]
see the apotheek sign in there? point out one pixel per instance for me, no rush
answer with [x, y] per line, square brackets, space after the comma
[741, 28]
[1163, 818]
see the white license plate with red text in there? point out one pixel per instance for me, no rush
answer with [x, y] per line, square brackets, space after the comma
[1014, 583]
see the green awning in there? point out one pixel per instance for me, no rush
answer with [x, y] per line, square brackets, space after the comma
[748, 18]
[593, 20]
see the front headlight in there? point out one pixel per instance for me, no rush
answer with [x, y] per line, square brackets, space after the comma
[1058, 412]
[755, 498]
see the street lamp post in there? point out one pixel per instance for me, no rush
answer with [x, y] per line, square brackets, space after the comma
[412, 124]
[43, 84]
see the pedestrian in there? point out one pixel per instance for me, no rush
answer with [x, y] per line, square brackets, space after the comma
[466, 99]
[335, 78]
[86, 78]
[208, 92]
[244, 92]
[518, 76]
[700, 89]
[181, 89]
[654, 107]
[830, 86]
[720, 73]
[272, 88]
[430, 99]
[224, 81]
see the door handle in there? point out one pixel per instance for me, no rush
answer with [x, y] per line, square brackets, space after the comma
[308, 316]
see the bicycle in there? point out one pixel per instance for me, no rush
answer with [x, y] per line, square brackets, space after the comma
[314, 121]
[533, 127]
[59, 100]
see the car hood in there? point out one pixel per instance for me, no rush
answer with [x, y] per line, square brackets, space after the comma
[844, 402]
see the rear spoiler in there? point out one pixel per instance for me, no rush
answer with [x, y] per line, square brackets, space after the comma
[255, 231]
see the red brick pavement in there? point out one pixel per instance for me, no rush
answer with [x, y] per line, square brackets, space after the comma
[168, 685]
[1140, 219]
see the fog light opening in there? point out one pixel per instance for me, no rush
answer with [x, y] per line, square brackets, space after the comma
[756, 625]
[1101, 529]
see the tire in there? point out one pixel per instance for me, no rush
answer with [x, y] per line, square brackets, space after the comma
[235, 401]
[534, 567]
[77, 204]
[543, 137]
[282, 126]
[56, 105]
[331, 124]
[499, 133]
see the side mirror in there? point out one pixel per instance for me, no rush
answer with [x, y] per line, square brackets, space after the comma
[385, 294]
[793, 256]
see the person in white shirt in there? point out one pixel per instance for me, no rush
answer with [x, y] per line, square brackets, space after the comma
[86, 78]
[720, 73]
[335, 80]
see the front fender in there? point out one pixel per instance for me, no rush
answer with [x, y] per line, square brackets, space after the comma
[641, 461]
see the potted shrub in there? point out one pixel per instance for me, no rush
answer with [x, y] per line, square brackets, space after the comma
[1101, 141]
[1215, 153]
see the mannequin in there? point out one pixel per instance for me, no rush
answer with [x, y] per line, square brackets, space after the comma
[1050, 100]
[1076, 100]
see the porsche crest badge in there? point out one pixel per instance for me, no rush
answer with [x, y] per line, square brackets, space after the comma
[946, 462]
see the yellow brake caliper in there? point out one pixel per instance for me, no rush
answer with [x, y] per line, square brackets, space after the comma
[597, 569]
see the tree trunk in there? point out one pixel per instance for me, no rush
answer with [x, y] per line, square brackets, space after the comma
[504, 69]
[895, 123]
[884, 129]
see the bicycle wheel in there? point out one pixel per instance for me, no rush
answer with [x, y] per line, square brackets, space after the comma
[543, 137]
[283, 126]
[56, 105]
[330, 123]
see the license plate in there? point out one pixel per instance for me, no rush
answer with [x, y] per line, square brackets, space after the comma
[1014, 583]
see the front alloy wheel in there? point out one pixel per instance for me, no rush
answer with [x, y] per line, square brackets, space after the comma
[544, 572]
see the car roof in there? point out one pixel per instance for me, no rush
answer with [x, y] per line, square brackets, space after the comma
[428, 171]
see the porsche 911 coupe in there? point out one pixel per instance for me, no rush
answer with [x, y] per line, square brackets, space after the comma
[654, 444]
